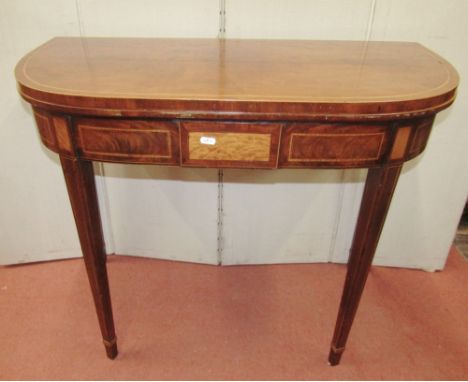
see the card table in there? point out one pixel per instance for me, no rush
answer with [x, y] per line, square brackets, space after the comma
[253, 104]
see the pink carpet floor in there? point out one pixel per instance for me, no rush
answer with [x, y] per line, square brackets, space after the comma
[187, 321]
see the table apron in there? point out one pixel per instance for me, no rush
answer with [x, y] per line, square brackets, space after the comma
[234, 144]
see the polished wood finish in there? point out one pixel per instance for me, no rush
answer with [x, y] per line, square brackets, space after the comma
[401, 143]
[380, 185]
[237, 79]
[46, 130]
[238, 144]
[235, 103]
[63, 135]
[215, 146]
[79, 177]
[126, 141]
[420, 137]
[334, 145]
[229, 144]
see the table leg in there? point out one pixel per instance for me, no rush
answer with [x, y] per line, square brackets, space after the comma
[79, 177]
[378, 191]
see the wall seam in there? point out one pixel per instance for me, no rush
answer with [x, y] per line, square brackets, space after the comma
[219, 233]
[78, 15]
[222, 19]
[370, 21]
[219, 236]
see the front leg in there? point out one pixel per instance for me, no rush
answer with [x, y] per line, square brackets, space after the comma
[79, 177]
[378, 191]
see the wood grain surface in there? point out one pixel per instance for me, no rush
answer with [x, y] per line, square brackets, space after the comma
[120, 140]
[262, 79]
[46, 131]
[230, 146]
[334, 145]
[233, 144]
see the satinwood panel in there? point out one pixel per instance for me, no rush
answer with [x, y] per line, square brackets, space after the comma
[229, 144]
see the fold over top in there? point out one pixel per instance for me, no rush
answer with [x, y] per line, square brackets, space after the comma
[210, 78]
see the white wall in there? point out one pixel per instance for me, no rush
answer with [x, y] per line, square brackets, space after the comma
[267, 216]
[36, 222]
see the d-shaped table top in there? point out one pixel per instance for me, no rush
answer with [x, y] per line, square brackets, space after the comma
[260, 79]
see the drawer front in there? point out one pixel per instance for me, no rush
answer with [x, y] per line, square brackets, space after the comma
[333, 145]
[229, 144]
[128, 140]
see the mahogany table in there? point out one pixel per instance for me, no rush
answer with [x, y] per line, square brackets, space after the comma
[235, 103]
